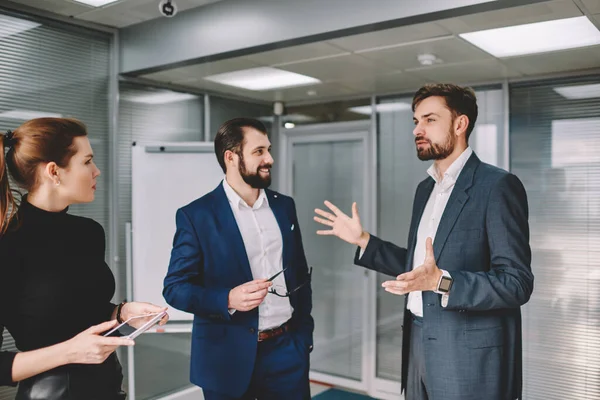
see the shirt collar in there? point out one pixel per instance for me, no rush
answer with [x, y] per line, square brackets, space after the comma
[454, 170]
[238, 202]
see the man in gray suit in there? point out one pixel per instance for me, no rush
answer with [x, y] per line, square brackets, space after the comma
[467, 267]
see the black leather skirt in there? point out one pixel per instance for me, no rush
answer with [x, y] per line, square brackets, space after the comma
[76, 382]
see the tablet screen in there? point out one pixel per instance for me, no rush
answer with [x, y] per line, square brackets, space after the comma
[135, 326]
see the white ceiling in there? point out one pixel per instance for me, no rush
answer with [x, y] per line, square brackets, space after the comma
[119, 14]
[372, 63]
[386, 61]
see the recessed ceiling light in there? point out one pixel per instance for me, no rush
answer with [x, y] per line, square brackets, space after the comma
[381, 108]
[96, 3]
[262, 78]
[538, 37]
[160, 97]
[26, 115]
[289, 125]
[12, 26]
[577, 92]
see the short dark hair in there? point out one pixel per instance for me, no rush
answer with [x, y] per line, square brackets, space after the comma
[459, 100]
[230, 136]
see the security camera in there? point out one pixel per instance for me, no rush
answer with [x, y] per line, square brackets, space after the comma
[168, 8]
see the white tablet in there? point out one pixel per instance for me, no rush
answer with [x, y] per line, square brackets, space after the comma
[130, 332]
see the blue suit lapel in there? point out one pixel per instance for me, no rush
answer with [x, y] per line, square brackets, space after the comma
[286, 227]
[229, 228]
[456, 202]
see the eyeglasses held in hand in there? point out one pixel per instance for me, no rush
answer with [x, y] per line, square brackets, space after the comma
[281, 293]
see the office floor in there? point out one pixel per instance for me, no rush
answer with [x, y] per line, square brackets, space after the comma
[318, 391]
[321, 392]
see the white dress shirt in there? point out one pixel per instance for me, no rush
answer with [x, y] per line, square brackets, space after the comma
[431, 220]
[264, 247]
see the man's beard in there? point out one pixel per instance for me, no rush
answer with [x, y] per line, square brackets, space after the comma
[437, 151]
[254, 179]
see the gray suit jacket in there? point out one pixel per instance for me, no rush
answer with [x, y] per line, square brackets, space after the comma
[473, 347]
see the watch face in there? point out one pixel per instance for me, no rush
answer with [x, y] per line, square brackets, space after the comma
[445, 284]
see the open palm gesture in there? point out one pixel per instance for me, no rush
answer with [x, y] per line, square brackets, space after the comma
[425, 277]
[346, 228]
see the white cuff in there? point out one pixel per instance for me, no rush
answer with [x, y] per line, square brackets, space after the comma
[445, 300]
[231, 311]
[362, 251]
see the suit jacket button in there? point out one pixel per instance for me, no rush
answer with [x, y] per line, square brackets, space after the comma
[252, 330]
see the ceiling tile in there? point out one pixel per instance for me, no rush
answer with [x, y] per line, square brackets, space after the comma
[321, 91]
[325, 90]
[119, 14]
[224, 89]
[449, 50]
[201, 70]
[112, 19]
[61, 7]
[122, 13]
[561, 61]
[512, 16]
[593, 6]
[394, 82]
[295, 54]
[338, 68]
[390, 37]
[125, 13]
[466, 73]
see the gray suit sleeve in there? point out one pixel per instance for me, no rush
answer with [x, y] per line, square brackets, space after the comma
[381, 256]
[509, 282]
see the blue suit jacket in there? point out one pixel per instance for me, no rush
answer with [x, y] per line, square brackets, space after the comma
[207, 261]
[473, 346]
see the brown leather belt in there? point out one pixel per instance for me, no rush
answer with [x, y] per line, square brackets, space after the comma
[273, 333]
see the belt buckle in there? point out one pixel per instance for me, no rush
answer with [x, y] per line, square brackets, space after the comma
[273, 332]
[265, 335]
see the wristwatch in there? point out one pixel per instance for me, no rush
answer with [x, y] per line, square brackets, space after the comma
[445, 283]
[119, 308]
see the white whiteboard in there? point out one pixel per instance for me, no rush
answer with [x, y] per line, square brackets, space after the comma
[164, 178]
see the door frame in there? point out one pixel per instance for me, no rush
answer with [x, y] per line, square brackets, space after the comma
[341, 132]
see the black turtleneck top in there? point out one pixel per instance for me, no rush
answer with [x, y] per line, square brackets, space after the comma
[54, 282]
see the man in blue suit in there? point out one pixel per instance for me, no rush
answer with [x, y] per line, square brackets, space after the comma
[467, 268]
[239, 266]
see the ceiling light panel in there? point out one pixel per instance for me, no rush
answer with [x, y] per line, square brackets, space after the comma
[577, 92]
[96, 3]
[262, 78]
[539, 37]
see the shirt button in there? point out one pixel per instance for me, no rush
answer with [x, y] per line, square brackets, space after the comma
[252, 330]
